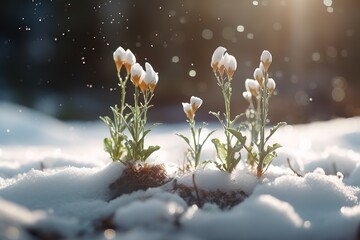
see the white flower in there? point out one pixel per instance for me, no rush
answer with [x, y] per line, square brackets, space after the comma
[247, 95]
[216, 57]
[195, 103]
[252, 86]
[129, 60]
[271, 85]
[150, 79]
[137, 74]
[266, 59]
[221, 64]
[153, 82]
[230, 65]
[188, 110]
[119, 56]
[258, 75]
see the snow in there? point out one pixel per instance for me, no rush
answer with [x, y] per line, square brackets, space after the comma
[55, 177]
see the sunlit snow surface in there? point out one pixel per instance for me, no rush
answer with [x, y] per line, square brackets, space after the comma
[54, 176]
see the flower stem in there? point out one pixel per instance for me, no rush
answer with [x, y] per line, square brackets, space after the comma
[263, 117]
[196, 150]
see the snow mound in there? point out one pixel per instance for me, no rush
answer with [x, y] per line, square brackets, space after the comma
[55, 177]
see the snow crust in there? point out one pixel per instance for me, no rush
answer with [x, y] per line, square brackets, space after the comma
[55, 177]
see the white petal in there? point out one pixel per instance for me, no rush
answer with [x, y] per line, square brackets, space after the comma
[196, 101]
[230, 62]
[136, 70]
[120, 54]
[258, 73]
[271, 84]
[130, 57]
[251, 84]
[217, 55]
[247, 95]
[266, 57]
[149, 73]
[186, 107]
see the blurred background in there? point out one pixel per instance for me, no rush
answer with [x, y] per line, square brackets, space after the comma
[56, 55]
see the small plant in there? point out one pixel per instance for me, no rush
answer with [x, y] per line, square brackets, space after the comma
[132, 118]
[228, 153]
[261, 90]
[194, 144]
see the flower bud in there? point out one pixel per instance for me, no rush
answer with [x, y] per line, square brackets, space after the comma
[216, 57]
[188, 110]
[221, 65]
[129, 61]
[153, 82]
[119, 56]
[248, 97]
[271, 85]
[252, 86]
[230, 65]
[195, 103]
[137, 74]
[259, 76]
[266, 59]
[150, 79]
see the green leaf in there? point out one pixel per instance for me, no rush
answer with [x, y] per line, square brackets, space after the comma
[272, 148]
[274, 129]
[238, 135]
[269, 158]
[220, 149]
[147, 152]
[183, 137]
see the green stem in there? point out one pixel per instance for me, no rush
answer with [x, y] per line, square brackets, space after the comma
[263, 116]
[136, 126]
[122, 85]
[196, 150]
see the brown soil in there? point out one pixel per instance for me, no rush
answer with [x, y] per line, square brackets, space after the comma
[139, 177]
[143, 177]
[198, 196]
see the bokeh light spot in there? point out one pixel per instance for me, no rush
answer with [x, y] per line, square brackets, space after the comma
[338, 94]
[207, 34]
[175, 59]
[316, 57]
[240, 28]
[327, 3]
[192, 73]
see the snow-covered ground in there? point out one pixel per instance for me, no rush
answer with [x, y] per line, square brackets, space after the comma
[55, 177]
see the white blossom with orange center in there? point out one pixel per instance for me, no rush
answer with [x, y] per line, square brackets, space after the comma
[119, 56]
[195, 103]
[230, 65]
[216, 57]
[266, 59]
[137, 74]
[259, 76]
[151, 78]
[247, 95]
[252, 86]
[129, 61]
[188, 110]
[271, 85]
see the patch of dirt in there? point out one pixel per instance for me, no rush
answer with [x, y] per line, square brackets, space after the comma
[139, 177]
[193, 195]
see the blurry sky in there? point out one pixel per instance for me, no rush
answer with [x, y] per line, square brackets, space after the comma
[56, 55]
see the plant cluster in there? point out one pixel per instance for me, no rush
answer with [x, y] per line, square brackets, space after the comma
[194, 144]
[258, 93]
[132, 118]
